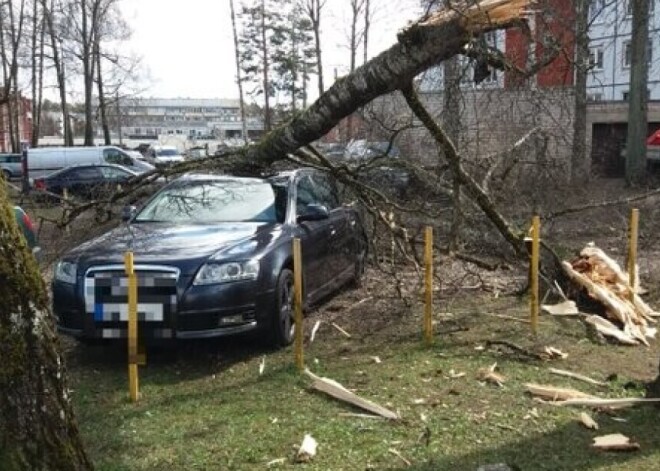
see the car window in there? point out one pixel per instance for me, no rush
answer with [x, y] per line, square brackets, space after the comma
[86, 173]
[112, 173]
[326, 191]
[4, 158]
[14, 159]
[305, 193]
[212, 202]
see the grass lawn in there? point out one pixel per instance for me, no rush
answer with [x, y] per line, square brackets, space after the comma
[205, 406]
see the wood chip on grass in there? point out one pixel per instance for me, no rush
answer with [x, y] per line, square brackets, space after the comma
[336, 390]
[614, 442]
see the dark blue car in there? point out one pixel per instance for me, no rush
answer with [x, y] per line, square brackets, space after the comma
[213, 255]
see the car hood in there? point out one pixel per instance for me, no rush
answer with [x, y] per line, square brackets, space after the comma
[184, 246]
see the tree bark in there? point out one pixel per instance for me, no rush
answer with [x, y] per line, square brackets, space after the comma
[39, 431]
[239, 80]
[314, 8]
[579, 159]
[638, 98]
[367, 25]
[87, 38]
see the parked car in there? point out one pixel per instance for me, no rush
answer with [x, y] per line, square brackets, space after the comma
[162, 156]
[213, 255]
[10, 165]
[27, 228]
[46, 160]
[85, 181]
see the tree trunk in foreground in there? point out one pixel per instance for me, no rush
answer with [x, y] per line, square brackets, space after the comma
[39, 431]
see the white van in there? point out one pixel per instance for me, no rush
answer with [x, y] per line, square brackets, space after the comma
[43, 161]
[162, 156]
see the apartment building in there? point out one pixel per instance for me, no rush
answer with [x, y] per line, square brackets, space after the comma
[610, 50]
[148, 118]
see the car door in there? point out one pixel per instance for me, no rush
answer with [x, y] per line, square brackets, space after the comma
[314, 236]
[340, 255]
[83, 181]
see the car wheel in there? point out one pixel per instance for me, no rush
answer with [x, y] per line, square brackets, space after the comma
[6, 174]
[283, 324]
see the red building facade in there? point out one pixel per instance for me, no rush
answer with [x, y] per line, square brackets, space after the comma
[552, 26]
[24, 123]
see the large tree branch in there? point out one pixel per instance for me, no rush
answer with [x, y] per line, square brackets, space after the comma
[424, 44]
[477, 193]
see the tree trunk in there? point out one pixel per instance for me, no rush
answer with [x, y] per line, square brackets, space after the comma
[316, 22]
[638, 98]
[39, 431]
[264, 52]
[38, 36]
[452, 124]
[102, 104]
[239, 80]
[88, 73]
[579, 160]
[60, 74]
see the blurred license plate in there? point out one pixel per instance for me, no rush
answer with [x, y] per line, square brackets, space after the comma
[106, 296]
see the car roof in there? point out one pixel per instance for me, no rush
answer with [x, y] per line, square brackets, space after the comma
[288, 174]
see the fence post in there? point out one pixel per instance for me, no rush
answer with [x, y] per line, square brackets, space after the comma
[298, 314]
[534, 274]
[632, 250]
[428, 284]
[133, 386]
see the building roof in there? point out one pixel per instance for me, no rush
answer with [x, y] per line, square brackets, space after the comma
[184, 102]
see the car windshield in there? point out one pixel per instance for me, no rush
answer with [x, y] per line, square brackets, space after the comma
[215, 201]
[167, 152]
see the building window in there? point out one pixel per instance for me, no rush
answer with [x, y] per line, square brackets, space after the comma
[595, 97]
[627, 53]
[596, 8]
[596, 58]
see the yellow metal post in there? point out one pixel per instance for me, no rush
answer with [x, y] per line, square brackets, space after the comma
[428, 283]
[298, 314]
[133, 387]
[534, 274]
[632, 250]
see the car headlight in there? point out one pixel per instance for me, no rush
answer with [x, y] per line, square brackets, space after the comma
[212, 273]
[66, 272]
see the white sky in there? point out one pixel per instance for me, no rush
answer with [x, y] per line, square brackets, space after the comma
[187, 47]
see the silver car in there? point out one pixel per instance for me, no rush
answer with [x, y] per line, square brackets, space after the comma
[11, 165]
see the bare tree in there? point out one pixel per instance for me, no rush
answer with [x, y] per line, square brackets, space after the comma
[38, 41]
[367, 25]
[355, 35]
[313, 9]
[57, 59]
[11, 32]
[579, 162]
[239, 80]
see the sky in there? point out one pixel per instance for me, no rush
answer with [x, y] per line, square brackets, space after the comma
[187, 47]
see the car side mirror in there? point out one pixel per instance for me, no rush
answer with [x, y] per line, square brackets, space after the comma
[313, 212]
[128, 212]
